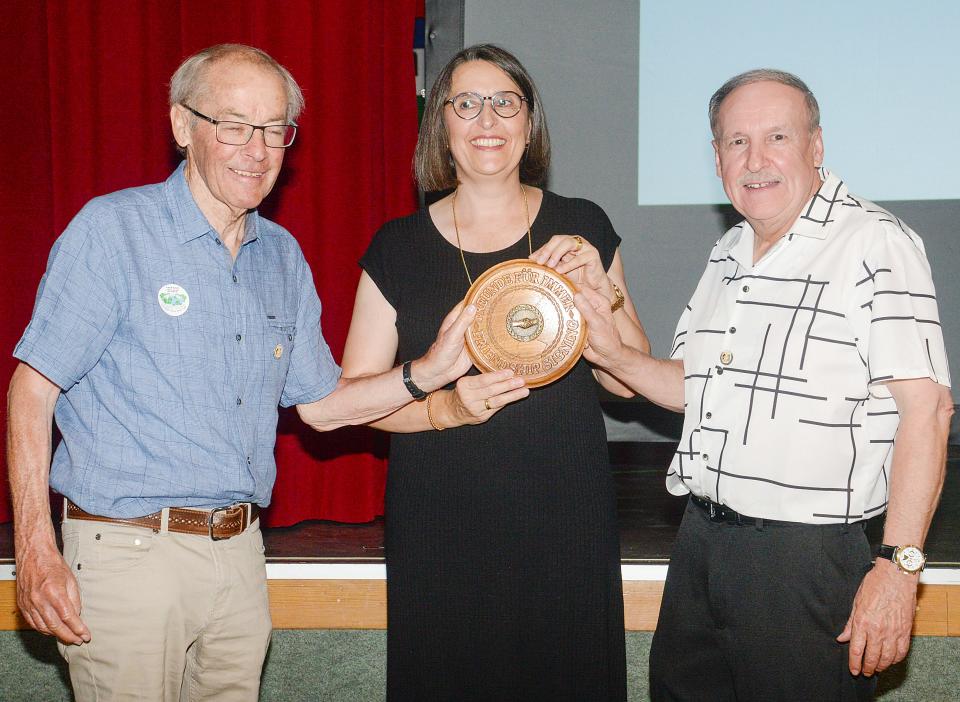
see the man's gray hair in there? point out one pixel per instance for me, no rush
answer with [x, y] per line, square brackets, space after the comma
[188, 83]
[758, 75]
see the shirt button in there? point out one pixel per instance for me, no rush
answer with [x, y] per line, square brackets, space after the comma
[719, 370]
[709, 415]
[746, 288]
[239, 401]
[219, 243]
[705, 457]
[289, 337]
[726, 357]
[234, 279]
[239, 337]
[733, 330]
[248, 460]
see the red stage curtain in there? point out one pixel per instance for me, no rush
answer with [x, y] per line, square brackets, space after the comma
[86, 114]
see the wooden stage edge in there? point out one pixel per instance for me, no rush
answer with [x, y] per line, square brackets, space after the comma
[362, 604]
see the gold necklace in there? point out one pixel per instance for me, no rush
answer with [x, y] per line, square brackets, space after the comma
[526, 207]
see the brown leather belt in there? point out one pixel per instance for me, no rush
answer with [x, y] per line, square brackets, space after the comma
[218, 524]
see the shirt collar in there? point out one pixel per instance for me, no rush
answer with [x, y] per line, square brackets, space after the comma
[191, 222]
[251, 227]
[814, 222]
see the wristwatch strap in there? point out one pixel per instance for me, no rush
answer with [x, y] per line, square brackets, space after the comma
[417, 393]
[886, 551]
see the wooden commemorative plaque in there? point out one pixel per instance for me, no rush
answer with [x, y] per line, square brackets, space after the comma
[526, 320]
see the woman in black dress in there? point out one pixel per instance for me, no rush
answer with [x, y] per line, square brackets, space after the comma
[503, 563]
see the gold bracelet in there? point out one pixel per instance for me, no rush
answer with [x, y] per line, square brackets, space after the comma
[619, 298]
[430, 418]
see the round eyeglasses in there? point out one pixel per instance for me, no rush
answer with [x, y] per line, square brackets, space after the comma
[277, 136]
[506, 103]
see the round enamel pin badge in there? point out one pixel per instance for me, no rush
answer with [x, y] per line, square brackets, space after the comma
[173, 299]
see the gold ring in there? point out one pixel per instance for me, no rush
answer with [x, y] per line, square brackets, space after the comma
[579, 241]
[486, 403]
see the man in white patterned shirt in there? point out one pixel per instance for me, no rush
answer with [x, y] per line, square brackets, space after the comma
[811, 342]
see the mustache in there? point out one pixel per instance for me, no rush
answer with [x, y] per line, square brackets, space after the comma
[759, 177]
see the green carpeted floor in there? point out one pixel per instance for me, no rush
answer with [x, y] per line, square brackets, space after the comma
[349, 666]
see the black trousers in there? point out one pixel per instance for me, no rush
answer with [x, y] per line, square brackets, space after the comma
[752, 613]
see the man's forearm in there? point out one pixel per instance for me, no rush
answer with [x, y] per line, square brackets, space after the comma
[660, 380]
[917, 471]
[47, 593]
[361, 400]
[878, 629]
[30, 404]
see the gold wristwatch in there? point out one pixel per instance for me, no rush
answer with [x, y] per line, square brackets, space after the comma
[618, 298]
[909, 559]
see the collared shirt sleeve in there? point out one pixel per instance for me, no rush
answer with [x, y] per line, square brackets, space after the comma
[896, 319]
[76, 312]
[313, 374]
[680, 335]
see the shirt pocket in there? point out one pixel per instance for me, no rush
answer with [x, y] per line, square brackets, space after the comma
[278, 343]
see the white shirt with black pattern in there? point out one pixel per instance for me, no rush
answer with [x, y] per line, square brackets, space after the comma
[786, 413]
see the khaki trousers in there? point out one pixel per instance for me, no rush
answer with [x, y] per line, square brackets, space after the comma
[173, 617]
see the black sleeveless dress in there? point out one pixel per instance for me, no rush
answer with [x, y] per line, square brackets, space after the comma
[503, 557]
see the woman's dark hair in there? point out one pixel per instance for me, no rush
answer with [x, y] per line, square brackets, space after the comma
[433, 166]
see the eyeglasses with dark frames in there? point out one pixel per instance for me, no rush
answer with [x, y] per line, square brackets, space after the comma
[505, 103]
[277, 136]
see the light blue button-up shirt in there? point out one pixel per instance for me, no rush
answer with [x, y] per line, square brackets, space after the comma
[172, 356]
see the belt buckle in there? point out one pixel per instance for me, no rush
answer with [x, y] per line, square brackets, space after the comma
[210, 524]
[716, 514]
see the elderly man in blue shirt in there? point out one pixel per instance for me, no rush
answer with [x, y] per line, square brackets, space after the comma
[171, 322]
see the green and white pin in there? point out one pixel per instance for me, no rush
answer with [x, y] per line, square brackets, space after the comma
[173, 299]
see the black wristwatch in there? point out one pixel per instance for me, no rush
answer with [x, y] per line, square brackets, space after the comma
[417, 393]
[909, 559]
